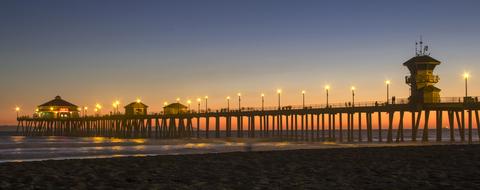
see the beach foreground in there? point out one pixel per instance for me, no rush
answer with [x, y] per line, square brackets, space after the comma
[409, 167]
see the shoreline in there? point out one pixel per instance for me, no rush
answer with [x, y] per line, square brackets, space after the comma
[25, 149]
[400, 167]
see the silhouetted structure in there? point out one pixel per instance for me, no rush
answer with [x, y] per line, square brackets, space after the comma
[57, 108]
[422, 79]
[175, 108]
[136, 108]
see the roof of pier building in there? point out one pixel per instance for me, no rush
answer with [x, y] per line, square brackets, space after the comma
[175, 105]
[136, 105]
[58, 102]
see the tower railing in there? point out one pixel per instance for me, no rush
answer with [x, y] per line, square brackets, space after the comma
[427, 78]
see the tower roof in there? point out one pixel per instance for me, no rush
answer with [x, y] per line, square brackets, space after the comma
[58, 101]
[422, 59]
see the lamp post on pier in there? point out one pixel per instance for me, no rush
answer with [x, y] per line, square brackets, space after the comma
[387, 82]
[17, 109]
[206, 104]
[85, 111]
[327, 87]
[189, 102]
[165, 104]
[239, 101]
[228, 103]
[465, 76]
[98, 108]
[303, 99]
[353, 96]
[263, 101]
[198, 102]
[178, 105]
[115, 106]
[279, 92]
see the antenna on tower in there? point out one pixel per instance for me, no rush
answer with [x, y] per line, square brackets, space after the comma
[421, 46]
[416, 48]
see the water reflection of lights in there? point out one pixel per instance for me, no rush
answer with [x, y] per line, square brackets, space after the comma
[98, 139]
[139, 147]
[115, 140]
[198, 145]
[281, 144]
[138, 141]
[98, 148]
[117, 148]
[18, 139]
[329, 143]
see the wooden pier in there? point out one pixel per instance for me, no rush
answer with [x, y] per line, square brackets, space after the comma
[340, 123]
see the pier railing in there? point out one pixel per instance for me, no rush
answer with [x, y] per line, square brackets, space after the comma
[398, 101]
[339, 122]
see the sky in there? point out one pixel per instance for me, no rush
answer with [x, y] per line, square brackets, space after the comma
[92, 52]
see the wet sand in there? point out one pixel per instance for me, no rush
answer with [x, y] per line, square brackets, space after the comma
[409, 167]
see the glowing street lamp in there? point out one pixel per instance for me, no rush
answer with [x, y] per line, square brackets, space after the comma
[114, 107]
[387, 82]
[239, 101]
[353, 96]
[228, 103]
[116, 104]
[17, 109]
[165, 104]
[327, 87]
[189, 102]
[206, 104]
[279, 92]
[85, 111]
[303, 98]
[465, 76]
[138, 100]
[178, 105]
[263, 100]
[198, 102]
[98, 107]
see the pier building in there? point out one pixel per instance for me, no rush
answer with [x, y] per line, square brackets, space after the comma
[57, 108]
[175, 108]
[136, 108]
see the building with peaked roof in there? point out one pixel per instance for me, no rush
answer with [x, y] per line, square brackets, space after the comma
[57, 108]
[136, 108]
[175, 108]
[422, 79]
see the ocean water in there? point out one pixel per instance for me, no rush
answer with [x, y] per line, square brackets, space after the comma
[19, 148]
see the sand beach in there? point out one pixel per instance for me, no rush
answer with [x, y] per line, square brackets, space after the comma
[402, 167]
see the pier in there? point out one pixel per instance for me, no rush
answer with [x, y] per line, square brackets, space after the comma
[336, 122]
